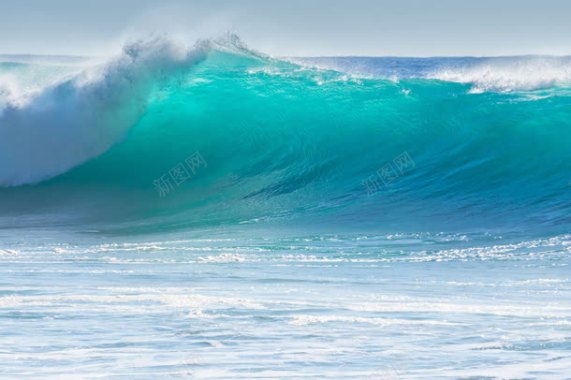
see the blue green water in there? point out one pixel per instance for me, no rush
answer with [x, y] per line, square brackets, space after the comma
[211, 212]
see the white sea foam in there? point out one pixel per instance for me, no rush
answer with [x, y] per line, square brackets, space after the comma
[300, 320]
[510, 74]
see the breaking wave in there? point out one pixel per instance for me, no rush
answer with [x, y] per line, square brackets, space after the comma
[233, 136]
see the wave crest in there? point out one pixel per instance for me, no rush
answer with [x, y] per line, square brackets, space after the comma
[46, 132]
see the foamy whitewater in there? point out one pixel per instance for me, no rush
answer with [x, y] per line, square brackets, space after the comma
[206, 211]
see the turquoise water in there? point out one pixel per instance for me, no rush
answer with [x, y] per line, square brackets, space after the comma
[211, 212]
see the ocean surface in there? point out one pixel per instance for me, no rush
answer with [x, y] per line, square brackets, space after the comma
[206, 211]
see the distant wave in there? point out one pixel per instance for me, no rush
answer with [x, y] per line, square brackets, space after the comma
[500, 74]
[515, 74]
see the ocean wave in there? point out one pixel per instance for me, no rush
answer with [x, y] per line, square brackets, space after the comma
[278, 141]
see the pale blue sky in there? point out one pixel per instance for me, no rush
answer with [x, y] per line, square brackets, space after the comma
[295, 27]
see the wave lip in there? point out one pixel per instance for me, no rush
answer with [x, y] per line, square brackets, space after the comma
[46, 132]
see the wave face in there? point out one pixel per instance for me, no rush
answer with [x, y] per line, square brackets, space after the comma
[166, 137]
